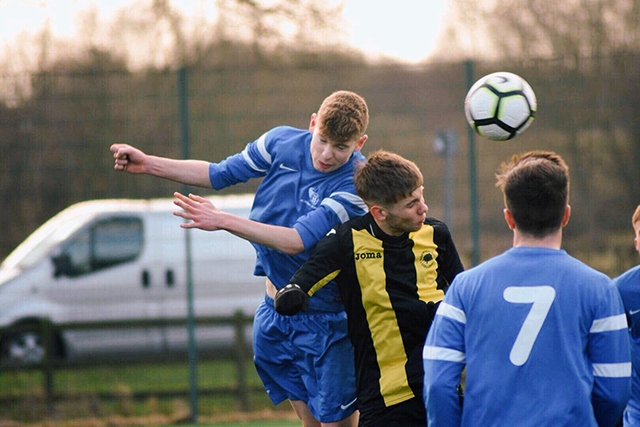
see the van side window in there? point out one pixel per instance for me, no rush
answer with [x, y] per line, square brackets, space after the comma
[104, 244]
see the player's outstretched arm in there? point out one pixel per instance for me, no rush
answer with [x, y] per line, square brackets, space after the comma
[135, 161]
[291, 299]
[201, 213]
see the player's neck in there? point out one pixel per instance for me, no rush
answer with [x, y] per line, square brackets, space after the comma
[552, 241]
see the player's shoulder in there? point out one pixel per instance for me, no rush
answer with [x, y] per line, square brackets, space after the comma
[286, 133]
[486, 267]
[345, 230]
[629, 277]
[440, 228]
[435, 222]
[285, 143]
[357, 223]
[357, 157]
[580, 269]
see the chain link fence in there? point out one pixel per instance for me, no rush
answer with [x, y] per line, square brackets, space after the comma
[56, 129]
[55, 142]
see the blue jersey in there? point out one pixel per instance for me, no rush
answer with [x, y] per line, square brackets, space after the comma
[292, 194]
[544, 341]
[629, 286]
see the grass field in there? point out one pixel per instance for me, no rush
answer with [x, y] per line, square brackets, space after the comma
[274, 423]
[80, 401]
[123, 423]
[285, 422]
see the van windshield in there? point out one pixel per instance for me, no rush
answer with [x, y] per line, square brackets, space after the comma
[42, 241]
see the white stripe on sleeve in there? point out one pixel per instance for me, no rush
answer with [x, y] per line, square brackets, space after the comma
[612, 370]
[607, 324]
[443, 353]
[351, 198]
[454, 313]
[337, 208]
[262, 149]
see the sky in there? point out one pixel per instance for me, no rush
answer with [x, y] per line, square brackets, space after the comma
[405, 30]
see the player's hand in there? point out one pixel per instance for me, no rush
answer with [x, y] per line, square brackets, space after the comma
[199, 211]
[291, 300]
[128, 158]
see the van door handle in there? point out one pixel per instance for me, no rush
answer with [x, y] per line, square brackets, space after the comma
[169, 278]
[146, 279]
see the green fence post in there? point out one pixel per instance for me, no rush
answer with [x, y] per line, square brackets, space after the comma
[46, 331]
[241, 360]
[183, 101]
[473, 178]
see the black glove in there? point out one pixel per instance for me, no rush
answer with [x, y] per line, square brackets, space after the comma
[291, 300]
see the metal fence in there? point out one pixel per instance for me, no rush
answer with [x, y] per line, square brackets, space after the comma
[55, 143]
[43, 395]
[55, 140]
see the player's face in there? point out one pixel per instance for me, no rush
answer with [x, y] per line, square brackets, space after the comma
[636, 241]
[408, 214]
[328, 155]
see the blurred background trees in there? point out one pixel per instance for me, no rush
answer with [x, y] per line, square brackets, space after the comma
[266, 63]
[594, 45]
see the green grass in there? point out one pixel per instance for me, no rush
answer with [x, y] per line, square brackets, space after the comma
[22, 395]
[152, 377]
[272, 423]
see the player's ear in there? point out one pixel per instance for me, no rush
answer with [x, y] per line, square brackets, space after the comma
[313, 122]
[567, 215]
[509, 218]
[378, 212]
[361, 142]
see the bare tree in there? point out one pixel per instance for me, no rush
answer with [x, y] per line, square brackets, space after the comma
[543, 28]
[593, 46]
[157, 32]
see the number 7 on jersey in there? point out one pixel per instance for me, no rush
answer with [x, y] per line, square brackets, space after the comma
[540, 298]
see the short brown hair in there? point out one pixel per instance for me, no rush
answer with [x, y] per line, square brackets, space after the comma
[536, 191]
[636, 216]
[343, 116]
[386, 178]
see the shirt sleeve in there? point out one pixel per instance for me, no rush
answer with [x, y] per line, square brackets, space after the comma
[323, 265]
[338, 208]
[449, 263]
[253, 162]
[608, 351]
[444, 359]
[627, 285]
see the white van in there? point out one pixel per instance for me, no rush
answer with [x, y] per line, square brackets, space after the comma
[114, 260]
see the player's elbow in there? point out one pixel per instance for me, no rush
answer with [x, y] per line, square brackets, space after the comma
[293, 249]
[434, 392]
[609, 399]
[443, 404]
[292, 245]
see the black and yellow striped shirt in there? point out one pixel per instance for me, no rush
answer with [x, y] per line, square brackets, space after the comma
[390, 286]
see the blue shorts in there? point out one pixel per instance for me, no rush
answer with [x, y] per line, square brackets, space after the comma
[306, 357]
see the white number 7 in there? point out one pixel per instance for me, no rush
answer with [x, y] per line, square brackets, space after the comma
[540, 298]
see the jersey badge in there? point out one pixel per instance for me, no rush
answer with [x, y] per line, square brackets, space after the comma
[314, 197]
[427, 259]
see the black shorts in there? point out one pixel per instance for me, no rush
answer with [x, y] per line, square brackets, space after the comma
[410, 413]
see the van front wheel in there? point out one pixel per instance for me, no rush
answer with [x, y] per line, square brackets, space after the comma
[25, 345]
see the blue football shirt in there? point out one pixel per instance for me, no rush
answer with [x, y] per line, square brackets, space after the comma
[629, 286]
[292, 194]
[543, 338]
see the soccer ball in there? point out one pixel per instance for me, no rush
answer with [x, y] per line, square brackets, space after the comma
[500, 106]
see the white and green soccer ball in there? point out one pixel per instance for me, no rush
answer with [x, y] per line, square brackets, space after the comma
[500, 106]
